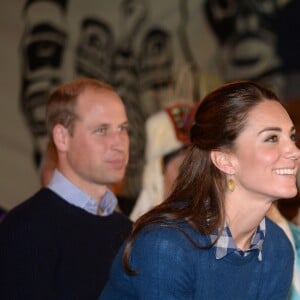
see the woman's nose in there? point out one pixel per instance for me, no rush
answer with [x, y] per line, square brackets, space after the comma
[293, 152]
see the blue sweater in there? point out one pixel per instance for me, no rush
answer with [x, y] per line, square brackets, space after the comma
[171, 268]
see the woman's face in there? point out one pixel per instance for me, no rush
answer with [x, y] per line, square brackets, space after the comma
[266, 158]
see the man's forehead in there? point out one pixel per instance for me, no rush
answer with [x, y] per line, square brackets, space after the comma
[106, 99]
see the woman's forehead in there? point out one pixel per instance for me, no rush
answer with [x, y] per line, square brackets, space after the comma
[268, 114]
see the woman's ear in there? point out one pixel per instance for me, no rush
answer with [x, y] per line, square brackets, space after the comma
[60, 137]
[223, 161]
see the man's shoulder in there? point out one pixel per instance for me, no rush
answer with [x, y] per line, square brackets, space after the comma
[32, 207]
[31, 218]
[120, 220]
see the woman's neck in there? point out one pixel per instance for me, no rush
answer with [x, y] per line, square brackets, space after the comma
[243, 218]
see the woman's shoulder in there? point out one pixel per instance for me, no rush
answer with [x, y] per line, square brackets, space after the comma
[173, 234]
[170, 244]
[275, 235]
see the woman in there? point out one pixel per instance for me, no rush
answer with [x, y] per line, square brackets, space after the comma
[210, 238]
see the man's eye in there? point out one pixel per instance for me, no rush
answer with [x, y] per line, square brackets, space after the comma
[124, 128]
[101, 130]
[272, 139]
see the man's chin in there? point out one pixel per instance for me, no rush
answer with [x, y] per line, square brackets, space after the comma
[116, 178]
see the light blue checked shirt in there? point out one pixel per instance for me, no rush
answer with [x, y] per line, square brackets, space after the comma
[226, 244]
[60, 185]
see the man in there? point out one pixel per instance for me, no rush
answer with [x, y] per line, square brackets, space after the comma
[59, 244]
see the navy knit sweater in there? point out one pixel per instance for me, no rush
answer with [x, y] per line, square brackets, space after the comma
[51, 249]
[170, 267]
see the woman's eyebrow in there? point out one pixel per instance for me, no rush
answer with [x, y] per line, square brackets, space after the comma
[274, 129]
[269, 129]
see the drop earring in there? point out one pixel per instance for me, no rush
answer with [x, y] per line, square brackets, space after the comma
[231, 184]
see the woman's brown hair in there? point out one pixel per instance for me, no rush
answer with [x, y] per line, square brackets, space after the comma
[199, 190]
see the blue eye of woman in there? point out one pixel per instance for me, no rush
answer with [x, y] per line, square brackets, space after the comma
[294, 137]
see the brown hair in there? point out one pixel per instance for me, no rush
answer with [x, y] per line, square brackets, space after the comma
[61, 105]
[199, 190]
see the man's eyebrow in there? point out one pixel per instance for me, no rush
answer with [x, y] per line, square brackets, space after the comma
[124, 123]
[106, 124]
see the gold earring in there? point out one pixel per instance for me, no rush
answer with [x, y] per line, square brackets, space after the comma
[231, 185]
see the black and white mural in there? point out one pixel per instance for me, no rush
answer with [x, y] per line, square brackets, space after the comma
[42, 47]
[129, 44]
[247, 33]
[152, 52]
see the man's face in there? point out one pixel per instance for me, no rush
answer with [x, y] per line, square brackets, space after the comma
[97, 151]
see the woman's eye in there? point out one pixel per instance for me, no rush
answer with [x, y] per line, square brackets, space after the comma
[272, 139]
[294, 137]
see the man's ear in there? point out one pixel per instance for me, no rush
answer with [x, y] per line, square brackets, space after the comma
[223, 161]
[60, 137]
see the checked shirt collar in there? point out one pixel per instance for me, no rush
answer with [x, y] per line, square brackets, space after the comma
[226, 245]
